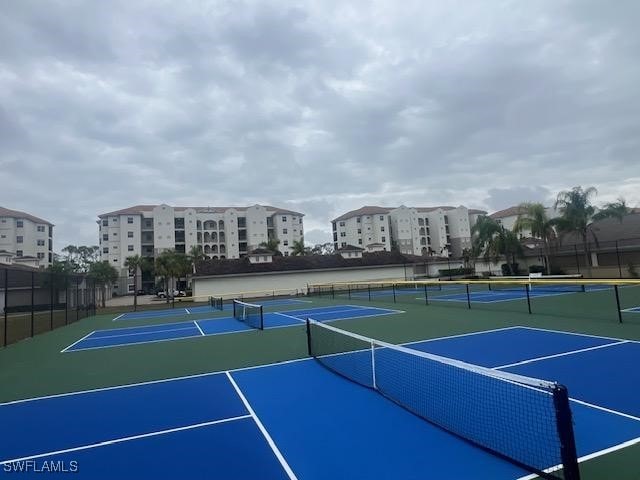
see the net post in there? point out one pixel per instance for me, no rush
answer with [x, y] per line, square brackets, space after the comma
[468, 296]
[261, 318]
[615, 287]
[394, 292]
[309, 338]
[526, 288]
[373, 366]
[426, 297]
[234, 308]
[618, 257]
[564, 425]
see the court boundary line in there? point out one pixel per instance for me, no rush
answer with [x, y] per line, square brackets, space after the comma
[143, 333]
[631, 310]
[588, 457]
[580, 334]
[195, 322]
[159, 324]
[114, 319]
[187, 310]
[77, 341]
[261, 427]
[563, 354]
[118, 345]
[216, 372]
[115, 441]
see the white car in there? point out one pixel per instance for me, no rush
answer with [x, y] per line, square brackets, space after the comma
[175, 293]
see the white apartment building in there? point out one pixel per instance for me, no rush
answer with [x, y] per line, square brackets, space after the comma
[438, 231]
[26, 237]
[223, 232]
[508, 217]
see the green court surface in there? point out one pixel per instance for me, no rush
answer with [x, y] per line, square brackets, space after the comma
[36, 366]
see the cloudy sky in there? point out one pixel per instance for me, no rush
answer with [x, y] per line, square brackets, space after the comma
[319, 106]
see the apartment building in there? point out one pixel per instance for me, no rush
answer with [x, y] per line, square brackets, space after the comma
[508, 217]
[437, 231]
[27, 237]
[223, 232]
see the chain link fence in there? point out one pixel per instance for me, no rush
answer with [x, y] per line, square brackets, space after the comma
[34, 302]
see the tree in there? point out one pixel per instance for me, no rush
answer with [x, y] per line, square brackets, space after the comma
[164, 265]
[323, 249]
[577, 213]
[272, 244]
[135, 263]
[492, 240]
[104, 274]
[298, 248]
[533, 217]
[196, 255]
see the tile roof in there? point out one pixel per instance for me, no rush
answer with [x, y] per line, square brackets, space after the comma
[508, 212]
[366, 210]
[5, 212]
[139, 209]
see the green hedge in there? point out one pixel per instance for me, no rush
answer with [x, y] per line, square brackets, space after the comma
[450, 272]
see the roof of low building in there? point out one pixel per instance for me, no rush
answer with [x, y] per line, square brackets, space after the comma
[350, 248]
[207, 268]
[6, 212]
[508, 212]
[261, 251]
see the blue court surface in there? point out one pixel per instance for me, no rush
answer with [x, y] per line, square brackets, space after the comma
[493, 296]
[215, 326]
[299, 420]
[178, 311]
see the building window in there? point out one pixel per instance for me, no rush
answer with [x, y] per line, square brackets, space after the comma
[342, 224]
[19, 239]
[131, 287]
[105, 236]
[40, 255]
[18, 253]
[114, 219]
[130, 248]
[284, 231]
[343, 244]
[129, 219]
[41, 243]
[115, 247]
[343, 234]
[284, 219]
[40, 228]
[359, 230]
[105, 250]
[19, 223]
[115, 260]
[129, 234]
[359, 241]
[105, 223]
[381, 217]
[286, 243]
[3, 236]
[358, 219]
[384, 239]
[286, 254]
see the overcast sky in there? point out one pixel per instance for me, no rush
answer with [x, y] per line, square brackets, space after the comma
[320, 106]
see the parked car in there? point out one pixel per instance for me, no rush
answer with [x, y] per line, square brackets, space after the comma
[174, 293]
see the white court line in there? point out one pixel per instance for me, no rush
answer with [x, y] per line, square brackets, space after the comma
[126, 439]
[217, 372]
[577, 334]
[187, 310]
[288, 316]
[599, 453]
[113, 320]
[631, 310]
[77, 341]
[198, 327]
[117, 335]
[270, 441]
[117, 345]
[563, 354]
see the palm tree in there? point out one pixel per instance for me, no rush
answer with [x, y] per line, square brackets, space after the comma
[577, 213]
[492, 240]
[196, 255]
[533, 217]
[298, 248]
[272, 244]
[104, 274]
[134, 263]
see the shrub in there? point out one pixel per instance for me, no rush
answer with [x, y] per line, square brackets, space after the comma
[456, 271]
[536, 268]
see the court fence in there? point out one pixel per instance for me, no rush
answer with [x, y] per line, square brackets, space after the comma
[611, 300]
[34, 302]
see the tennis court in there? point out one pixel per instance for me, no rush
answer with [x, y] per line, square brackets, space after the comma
[216, 326]
[174, 312]
[297, 419]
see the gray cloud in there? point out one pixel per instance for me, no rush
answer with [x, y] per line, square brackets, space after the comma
[316, 106]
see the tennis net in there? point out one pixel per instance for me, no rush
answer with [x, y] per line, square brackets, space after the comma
[524, 420]
[546, 283]
[216, 302]
[248, 313]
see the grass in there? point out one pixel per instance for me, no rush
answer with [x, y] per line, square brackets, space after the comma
[35, 366]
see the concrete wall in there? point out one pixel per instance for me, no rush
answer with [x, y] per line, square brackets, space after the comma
[231, 285]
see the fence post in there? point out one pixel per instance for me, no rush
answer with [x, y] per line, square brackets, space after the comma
[369, 290]
[618, 257]
[51, 303]
[33, 274]
[394, 292]
[575, 249]
[77, 299]
[468, 296]
[6, 303]
[66, 300]
[426, 297]
[526, 287]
